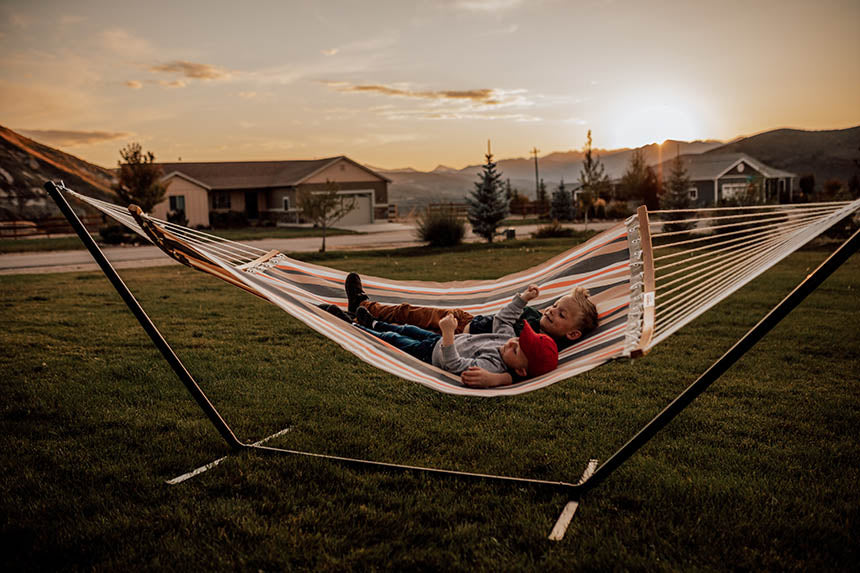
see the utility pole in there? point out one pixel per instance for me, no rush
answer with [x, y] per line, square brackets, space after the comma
[534, 152]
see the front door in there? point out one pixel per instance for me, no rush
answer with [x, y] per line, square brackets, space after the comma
[252, 210]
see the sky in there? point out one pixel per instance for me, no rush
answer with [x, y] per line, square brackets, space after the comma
[419, 84]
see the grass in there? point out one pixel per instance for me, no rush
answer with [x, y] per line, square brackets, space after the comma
[760, 472]
[72, 243]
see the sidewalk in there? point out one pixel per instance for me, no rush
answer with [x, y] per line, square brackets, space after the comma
[373, 237]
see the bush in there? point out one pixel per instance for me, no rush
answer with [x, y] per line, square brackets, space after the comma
[227, 219]
[177, 218]
[553, 230]
[617, 210]
[118, 235]
[441, 228]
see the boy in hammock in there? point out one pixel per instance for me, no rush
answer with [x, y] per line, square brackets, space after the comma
[499, 352]
[570, 318]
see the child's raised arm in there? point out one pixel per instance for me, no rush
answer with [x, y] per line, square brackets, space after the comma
[504, 321]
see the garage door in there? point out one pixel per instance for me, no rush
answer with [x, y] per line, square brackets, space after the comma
[361, 215]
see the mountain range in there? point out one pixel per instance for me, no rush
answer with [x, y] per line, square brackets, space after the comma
[825, 154]
[26, 164]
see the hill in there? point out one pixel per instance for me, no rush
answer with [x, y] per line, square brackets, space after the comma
[825, 154]
[25, 165]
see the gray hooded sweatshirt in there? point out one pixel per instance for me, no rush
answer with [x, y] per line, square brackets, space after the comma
[481, 350]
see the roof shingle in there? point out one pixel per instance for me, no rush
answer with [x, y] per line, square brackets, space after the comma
[248, 174]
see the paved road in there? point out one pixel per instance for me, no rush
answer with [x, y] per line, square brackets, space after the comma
[378, 236]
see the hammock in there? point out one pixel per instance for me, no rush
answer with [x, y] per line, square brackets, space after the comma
[648, 277]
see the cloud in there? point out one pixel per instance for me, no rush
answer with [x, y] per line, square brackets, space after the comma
[173, 84]
[484, 96]
[512, 29]
[133, 84]
[44, 104]
[486, 5]
[247, 95]
[459, 114]
[477, 104]
[71, 20]
[123, 43]
[192, 70]
[330, 52]
[19, 20]
[65, 138]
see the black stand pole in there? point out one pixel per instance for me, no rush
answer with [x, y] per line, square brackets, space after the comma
[143, 318]
[719, 367]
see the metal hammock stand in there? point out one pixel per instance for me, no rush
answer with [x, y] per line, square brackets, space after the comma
[575, 491]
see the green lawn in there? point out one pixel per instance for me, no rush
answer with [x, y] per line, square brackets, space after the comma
[760, 472]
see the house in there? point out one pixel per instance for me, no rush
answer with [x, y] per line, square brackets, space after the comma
[269, 190]
[720, 177]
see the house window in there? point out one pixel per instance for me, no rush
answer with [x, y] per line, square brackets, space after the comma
[177, 203]
[733, 189]
[694, 193]
[221, 200]
[286, 203]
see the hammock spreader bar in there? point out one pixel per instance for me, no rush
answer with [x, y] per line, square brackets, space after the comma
[574, 490]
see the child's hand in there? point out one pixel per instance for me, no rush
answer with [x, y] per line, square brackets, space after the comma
[530, 293]
[448, 323]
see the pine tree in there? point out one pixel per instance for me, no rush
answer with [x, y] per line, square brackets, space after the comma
[676, 189]
[592, 179]
[509, 191]
[541, 192]
[139, 178]
[639, 182]
[676, 194]
[487, 205]
[561, 208]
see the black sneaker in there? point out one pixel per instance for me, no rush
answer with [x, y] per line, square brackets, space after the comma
[364, 318]
[355, 294]
[335, 310]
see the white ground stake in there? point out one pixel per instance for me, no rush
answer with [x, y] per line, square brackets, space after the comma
[557, 533]
[211, 465]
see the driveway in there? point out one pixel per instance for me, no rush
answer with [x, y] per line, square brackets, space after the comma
[377, 236]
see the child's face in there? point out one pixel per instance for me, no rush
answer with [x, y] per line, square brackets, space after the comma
[562, 319]
[514, 356]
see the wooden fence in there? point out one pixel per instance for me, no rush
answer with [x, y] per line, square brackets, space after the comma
[534, 208]
[46, 227]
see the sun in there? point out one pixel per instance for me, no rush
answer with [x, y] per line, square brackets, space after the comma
[645, 120]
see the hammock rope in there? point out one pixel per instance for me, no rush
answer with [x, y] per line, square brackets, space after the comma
[706, 255]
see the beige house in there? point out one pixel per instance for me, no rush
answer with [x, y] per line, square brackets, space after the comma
[269, 190]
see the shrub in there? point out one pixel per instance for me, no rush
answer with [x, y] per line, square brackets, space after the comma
[441, 228]
[617, 210]
[553, 230]
[227, 219]
[177, 218]
[118, 235]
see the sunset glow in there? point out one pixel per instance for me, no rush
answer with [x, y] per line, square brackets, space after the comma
[396, 84]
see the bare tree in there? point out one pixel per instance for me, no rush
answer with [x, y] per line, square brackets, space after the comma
[326, 208]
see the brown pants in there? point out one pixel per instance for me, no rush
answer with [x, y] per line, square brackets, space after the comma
[425, 317]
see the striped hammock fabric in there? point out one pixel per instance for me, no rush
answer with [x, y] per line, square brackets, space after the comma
[617, 266]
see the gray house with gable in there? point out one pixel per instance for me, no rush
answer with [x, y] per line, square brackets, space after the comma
[719, 177]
